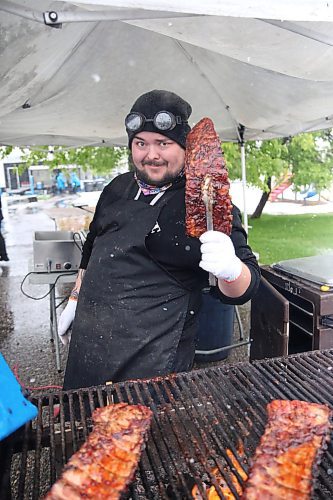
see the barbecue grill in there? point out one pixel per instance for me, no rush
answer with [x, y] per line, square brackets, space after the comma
[200, 418]
[291, 314]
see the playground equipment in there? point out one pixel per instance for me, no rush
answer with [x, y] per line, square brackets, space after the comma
[286, 182]
[309, 192]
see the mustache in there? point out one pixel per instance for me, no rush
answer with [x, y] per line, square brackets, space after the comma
[154, 163]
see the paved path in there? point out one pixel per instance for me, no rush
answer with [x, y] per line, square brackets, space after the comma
[24, 323]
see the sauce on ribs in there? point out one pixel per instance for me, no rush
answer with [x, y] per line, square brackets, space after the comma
[106, 463]
[289, 450]
[204, 161]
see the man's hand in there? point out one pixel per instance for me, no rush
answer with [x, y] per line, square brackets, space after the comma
[218, 256]
[65, 321]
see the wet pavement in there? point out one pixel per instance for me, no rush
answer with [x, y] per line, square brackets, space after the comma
[24, 322]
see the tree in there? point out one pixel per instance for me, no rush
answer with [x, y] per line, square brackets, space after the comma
[308, 157]
[99, 161]
[5, 151]
[264, 160]
[311, 160]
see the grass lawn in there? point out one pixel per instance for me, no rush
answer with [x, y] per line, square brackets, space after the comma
[282, 237]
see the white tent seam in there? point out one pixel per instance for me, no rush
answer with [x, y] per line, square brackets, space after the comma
[226, 106]
[298, 30]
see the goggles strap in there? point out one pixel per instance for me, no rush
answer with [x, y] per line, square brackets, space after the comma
[174, 120]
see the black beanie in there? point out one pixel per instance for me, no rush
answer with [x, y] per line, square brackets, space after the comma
[161, 100]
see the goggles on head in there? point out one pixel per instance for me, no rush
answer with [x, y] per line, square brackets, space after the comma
[163, 120]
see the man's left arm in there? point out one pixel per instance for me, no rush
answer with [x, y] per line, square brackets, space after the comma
[231, 261]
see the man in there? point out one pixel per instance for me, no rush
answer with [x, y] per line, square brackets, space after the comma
[137, 306]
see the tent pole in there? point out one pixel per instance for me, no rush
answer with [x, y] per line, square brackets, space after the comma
[245, 217]
[241, 130]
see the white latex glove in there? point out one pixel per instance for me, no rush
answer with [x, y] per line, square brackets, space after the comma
[65, 321]
[218, 256]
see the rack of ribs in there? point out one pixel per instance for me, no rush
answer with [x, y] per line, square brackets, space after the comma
[289, 452]
[206, 177]
[106, 463]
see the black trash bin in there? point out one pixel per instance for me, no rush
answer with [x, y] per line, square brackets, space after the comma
[216, 326]
[88, 186]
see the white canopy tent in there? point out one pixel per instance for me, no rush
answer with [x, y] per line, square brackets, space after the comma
[71, 70]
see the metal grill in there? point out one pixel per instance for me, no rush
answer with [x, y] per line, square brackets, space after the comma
[199, 418]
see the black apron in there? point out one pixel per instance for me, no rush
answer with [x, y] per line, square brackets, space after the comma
[131, 312]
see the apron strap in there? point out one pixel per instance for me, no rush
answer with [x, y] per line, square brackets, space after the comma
[154, 200]
[157, 197]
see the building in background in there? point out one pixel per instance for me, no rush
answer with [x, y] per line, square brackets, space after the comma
[14, 179]
[40, 178]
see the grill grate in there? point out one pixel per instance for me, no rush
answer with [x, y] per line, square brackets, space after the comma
[199, 418]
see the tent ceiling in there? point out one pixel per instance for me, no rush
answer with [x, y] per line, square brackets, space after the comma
[74, 85]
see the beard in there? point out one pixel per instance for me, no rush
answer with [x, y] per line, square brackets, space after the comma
[166, 179]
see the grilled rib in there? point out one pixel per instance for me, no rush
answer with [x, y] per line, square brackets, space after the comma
[105, 464]
[289, 451]
[204, 159]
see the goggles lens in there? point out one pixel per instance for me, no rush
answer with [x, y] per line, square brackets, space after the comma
[163, 120]
[134, 122]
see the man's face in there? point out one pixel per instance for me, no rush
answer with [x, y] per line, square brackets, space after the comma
[158, 160]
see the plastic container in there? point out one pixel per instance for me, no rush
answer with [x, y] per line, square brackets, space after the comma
[216, 326]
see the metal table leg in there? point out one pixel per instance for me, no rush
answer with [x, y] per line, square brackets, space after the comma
[239, 321]
[54, 326]
[51, 314]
